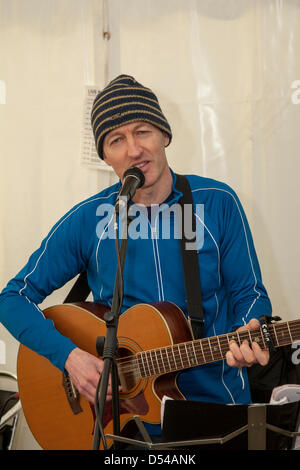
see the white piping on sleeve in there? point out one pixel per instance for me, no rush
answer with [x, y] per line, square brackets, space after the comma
[229, 392]
[218, 251]
[223, 361]
[240, 373]
[35, 305]
[100, 239]
[155, 263]
[158, 261]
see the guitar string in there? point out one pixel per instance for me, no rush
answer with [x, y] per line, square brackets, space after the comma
[211, 342]
[206, 349]
[175, 354]
[184, 357]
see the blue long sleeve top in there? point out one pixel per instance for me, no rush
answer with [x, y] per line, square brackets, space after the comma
[232, 288]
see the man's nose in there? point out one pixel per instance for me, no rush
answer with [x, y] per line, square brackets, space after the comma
[134, 149]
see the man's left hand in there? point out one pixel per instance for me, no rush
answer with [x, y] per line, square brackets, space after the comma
[244, 355]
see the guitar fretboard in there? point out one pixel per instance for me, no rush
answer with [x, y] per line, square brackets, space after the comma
[203, 351]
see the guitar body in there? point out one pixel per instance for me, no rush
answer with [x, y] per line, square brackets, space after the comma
[60, 423]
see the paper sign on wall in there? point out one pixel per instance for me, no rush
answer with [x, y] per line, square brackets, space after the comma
[89, 155]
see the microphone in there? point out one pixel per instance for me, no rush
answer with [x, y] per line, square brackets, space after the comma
[133, 179]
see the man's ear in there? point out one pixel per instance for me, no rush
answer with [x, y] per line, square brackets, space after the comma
[166, 139]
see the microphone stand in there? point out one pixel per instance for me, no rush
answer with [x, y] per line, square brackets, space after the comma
[107, 346]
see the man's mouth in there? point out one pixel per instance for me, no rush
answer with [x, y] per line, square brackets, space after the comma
[141, 165]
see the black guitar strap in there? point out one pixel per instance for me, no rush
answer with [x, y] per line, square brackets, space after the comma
[190, 259]
[81, 290]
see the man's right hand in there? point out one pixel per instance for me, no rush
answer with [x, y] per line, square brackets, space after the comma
[84, 370]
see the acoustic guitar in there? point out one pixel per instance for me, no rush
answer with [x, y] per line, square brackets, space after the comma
[154, 343]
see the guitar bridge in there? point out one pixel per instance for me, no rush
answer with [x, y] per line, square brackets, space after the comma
[71, 394]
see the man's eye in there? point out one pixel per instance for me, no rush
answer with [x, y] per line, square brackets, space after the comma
[143, 131]
[115, 141]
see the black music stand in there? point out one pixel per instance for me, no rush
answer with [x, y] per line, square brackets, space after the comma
[192, 425]
[231, 427]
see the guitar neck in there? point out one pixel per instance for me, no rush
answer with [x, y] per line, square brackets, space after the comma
[206, 350]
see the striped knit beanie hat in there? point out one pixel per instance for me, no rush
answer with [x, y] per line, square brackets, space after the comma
[124, 101]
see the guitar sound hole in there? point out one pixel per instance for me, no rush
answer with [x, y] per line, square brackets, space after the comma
[127, 369]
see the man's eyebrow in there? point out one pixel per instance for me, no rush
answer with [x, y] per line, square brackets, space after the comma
[141, 124]
[117, 131]
[114, 132]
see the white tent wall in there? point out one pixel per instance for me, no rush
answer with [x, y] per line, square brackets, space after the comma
[227, 73]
